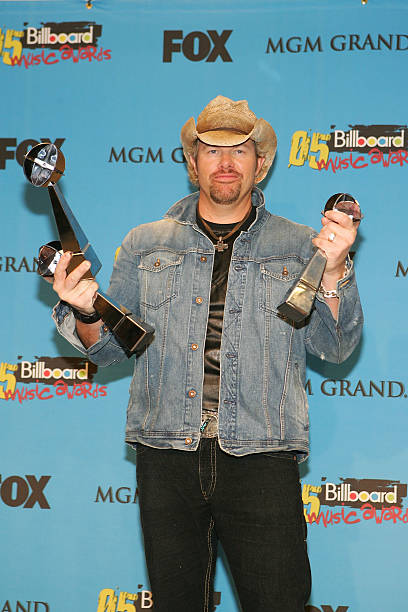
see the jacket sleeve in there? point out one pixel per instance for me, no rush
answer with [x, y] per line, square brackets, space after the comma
[123, 288]
[333, 340]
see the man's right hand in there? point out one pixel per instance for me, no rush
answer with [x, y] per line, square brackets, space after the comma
[78, 293]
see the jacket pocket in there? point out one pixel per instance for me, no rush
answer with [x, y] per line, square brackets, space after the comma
[160, 277]
[277, 279]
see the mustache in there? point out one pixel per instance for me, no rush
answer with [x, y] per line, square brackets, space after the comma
[223, 172]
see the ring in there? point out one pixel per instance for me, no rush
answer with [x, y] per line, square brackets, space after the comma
[331, 236]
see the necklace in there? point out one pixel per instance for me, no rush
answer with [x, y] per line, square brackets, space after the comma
[220, 244]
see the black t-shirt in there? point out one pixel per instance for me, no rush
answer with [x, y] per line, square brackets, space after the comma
[216, 315]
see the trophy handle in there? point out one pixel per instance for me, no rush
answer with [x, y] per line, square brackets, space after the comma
[72, 237]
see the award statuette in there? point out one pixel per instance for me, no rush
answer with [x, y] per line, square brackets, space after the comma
[299, 302]
[43, 166]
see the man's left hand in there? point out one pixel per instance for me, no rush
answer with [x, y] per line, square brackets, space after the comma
[335, 240]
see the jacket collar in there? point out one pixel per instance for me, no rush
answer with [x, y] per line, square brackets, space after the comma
[184, 211]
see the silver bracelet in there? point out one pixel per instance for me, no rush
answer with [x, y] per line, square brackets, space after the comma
[333, 293]
[328, 294]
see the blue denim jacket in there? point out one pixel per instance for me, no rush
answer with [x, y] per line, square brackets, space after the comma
[163, 275]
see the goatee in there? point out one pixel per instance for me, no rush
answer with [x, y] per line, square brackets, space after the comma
[225, 194]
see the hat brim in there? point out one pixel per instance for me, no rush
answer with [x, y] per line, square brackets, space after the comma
[223, 138]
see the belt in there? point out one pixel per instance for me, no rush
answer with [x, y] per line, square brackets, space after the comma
[209, 425]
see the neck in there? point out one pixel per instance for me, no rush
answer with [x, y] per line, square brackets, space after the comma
[223, 213]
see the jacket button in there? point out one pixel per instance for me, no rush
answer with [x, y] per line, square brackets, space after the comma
[194, 347]
[199, 300]
[188, 441]
[192, 393]
[157, 263]
[203, 258]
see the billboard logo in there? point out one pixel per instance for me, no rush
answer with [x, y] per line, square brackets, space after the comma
[55, 35]
[353, 493]
[363, 138]
[196, 46]
[48, 369]
[16, 491]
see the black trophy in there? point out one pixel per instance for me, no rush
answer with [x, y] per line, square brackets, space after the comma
[298, 305]
[43, 166]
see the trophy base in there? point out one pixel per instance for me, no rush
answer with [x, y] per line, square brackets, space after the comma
[299, 303]
[132, 334]
[298, 306]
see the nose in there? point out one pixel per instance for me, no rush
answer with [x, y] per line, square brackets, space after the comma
[226, 160]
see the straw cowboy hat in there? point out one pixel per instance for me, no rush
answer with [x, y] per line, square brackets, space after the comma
[226, 123]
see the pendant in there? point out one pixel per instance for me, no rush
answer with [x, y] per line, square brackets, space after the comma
[221, 246]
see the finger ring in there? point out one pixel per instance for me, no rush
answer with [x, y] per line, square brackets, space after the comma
[331, 236]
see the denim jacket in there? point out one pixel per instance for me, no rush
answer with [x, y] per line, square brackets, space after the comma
[163, 275]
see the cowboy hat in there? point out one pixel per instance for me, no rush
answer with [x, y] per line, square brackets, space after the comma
[225, 123]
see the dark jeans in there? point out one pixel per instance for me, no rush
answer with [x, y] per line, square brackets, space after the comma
[251, 504]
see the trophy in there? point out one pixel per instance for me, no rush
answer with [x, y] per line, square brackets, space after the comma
[299, 303]
[43, 167]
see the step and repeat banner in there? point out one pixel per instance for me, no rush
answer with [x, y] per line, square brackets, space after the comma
[111, 84]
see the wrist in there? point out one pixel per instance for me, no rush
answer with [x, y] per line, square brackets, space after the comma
[328, 285]
[86, 317]
[331, 278]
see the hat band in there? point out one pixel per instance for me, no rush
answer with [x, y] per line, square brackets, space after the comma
[223, 129]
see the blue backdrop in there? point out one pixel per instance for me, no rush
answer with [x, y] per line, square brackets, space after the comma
[112, 85]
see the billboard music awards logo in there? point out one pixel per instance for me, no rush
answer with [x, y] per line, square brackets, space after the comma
[351, 501]
[109, 601]
[52, 377]
[353, 149]
[55, 42]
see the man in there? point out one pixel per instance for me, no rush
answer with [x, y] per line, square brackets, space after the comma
[218, 411]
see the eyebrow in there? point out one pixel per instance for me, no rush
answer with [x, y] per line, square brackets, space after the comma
[238, 146]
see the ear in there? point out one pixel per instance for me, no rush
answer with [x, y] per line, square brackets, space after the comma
[193, 163]
[259, 163]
